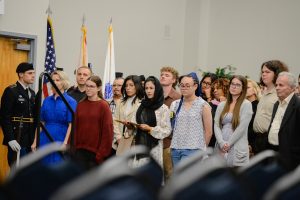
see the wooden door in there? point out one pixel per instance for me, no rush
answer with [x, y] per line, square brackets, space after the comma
[9, 60]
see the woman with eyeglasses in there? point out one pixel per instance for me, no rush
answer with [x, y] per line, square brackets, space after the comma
[93, 126]
[207, 94]
[206, 84]
[56, 117]
[193, 120]
[231, 123]
[133, 93]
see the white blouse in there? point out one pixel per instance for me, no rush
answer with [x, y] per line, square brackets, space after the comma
[160, 131]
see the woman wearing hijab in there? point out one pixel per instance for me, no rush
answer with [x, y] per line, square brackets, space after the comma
[153, 119]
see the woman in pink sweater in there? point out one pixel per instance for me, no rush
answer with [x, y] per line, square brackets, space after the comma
[93, 126]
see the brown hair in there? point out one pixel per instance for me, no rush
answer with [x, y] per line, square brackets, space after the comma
[236, 111]
[222, 83]
[173, 71]
[138, 88]
[275, 66]
[97, 80]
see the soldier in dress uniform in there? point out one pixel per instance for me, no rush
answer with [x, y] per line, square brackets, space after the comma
[17, 113]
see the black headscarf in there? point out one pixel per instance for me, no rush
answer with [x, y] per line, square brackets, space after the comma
[146, 115]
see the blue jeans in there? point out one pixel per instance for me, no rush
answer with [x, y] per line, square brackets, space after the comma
[11, 155]
[180, 154]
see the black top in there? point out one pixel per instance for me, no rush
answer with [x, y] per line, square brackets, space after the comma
[16, 105]
[146, 114]
[251, 133]
[76, 93]
[212, 142]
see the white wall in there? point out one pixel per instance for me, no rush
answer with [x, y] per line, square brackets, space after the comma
[196, 35]
[187, 34]
[247, 33]
[27, 17]
[148, 34]
[140, 46]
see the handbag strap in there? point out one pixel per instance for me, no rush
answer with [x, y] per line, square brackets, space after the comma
[177, 111]
[179, 106]
[124, 127]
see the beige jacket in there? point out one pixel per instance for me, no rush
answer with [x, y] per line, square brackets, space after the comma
[121, 115]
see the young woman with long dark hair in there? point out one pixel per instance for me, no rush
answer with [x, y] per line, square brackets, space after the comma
[133, 93]
[231, 123]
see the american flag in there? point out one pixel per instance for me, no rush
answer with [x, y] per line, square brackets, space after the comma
[50, 60]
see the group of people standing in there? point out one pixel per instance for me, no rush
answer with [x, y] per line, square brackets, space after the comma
[236, 116]
[268, 122]
[93, 129]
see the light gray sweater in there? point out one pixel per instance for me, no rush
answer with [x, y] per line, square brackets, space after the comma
[239, 139]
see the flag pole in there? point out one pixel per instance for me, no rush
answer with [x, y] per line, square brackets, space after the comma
[83, 58]
[83, 20]
[49, 11]
[50, 58]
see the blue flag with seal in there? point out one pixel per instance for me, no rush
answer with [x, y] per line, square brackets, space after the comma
[109, 70]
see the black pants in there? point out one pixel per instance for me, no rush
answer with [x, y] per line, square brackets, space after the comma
[12, 155]
[113, 153]
[261, 143]
[273, 147]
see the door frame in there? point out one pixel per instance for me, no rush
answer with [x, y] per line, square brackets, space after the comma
[31, 57]
[32, 41]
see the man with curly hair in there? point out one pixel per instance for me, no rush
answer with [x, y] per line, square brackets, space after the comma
[168, 80]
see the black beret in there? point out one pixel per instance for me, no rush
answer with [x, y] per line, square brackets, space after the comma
[119, 74]
[59, 69]
[23, 67]
[142, 77]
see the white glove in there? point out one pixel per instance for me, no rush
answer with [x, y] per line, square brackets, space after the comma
[14, 145]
